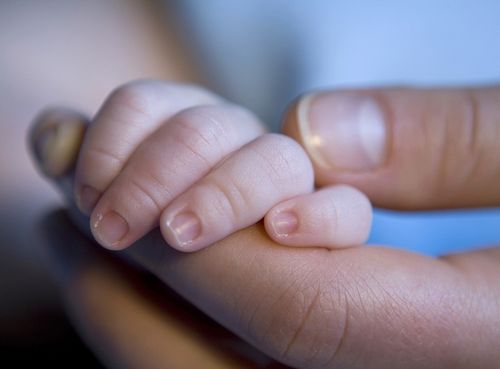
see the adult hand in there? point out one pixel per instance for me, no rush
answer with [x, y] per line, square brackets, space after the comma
[363, 307]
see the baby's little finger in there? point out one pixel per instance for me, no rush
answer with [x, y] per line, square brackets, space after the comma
[333, 217]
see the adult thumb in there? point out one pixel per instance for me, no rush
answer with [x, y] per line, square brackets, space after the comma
[405, 148]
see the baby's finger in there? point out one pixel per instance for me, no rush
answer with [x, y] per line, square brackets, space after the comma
[166, 164]
[333, 217]
[54, 141]
[237, 193]
[130, 114]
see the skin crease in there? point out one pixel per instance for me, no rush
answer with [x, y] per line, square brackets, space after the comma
[360, 307]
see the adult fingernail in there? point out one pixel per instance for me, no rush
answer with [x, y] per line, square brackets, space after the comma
[86, 199]
[284, 223]
[185, 228]
[110, 229]
[343, 130]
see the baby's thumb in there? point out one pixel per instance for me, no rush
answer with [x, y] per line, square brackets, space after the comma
[405, 148]
[54, 140]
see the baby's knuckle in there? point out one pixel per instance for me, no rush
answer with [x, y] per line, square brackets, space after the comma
[230, 199]
[286, 160]
[201, 92]
[142, 96]
[208, 122]
[101, 159]
[143, 193]
[192, 148]
[201, 133]
[132, 97]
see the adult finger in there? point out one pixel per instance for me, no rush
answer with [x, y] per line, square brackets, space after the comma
[129, 115]
[129, 318]
[362, 307]
[405, 148]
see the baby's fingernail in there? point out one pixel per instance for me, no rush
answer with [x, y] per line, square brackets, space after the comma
[110, 229]
[284, 223]
[185, 228]
[344, 131]
[86, 199]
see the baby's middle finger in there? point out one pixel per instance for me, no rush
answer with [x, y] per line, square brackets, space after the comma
[238, 192]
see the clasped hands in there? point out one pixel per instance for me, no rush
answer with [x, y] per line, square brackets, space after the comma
[298, 285]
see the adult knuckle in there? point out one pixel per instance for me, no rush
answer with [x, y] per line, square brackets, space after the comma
[457, 137]
[454, 143]
[481, 136]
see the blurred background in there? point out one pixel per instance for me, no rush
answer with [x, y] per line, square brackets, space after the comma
[69, 53]
[260, 54]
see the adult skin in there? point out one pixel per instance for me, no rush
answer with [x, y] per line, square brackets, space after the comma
[363, 307]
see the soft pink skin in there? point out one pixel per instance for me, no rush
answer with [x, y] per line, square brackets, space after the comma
[239, 192]
[129, 115]
[159, 149]
[333, 217]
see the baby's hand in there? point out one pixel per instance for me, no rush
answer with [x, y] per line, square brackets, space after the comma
[181, 157]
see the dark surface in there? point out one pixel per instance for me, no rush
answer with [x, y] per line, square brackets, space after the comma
[46, 340]
[34, 330]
